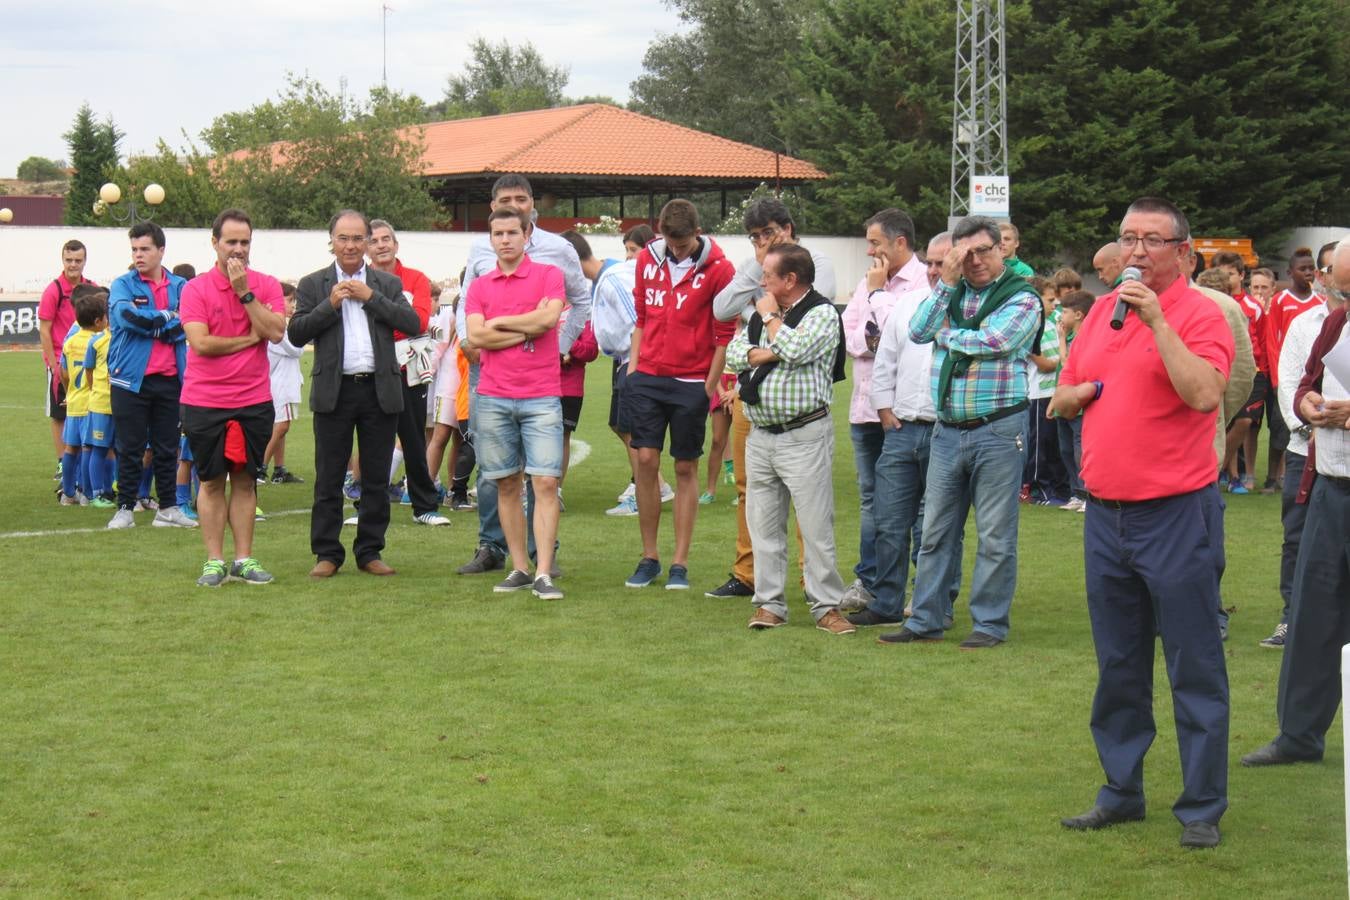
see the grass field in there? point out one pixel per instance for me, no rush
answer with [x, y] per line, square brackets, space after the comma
[420, 736]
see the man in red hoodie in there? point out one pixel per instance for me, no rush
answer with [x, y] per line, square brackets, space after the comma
[679, 350]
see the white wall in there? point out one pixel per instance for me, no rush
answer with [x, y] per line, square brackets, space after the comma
[30, 257]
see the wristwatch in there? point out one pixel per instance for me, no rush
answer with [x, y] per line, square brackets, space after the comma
[776, 314]
[247, 298]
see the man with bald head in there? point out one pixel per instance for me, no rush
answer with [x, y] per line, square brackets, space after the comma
[1108, 265]
[350, 311]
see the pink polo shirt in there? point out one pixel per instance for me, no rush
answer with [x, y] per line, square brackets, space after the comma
[239, 379]
[55, 307]
[1140, 440]
[525, 371]
[163, 358]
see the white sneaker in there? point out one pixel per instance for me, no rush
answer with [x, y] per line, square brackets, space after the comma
[855, 598]
[122, 519]
[172, 517]
[627, 507]
[627, 492]
[667, 493]
[351, 520]
[431, 518]
[1075, 504]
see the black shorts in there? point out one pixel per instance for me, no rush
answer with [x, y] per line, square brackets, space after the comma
[1256, 403]
[571, 412]
[654, 402]
[204, 427]
[56, 398]
[618, 415]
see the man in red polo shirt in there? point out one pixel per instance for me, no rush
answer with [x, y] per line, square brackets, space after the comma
[412, 422]
[512, 316]
[678, 352]
[55, 316]
[229, 313]
[1153, 539]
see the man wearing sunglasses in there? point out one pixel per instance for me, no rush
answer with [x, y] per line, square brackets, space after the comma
[1153, 536]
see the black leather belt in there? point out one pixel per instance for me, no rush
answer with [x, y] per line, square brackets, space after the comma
[917, 421]
[1118, 504]
[359, 376]
[803, 419]
[994, 416]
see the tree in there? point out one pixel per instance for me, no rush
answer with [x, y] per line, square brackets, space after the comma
[39, 168]
[1236, 112]
[501, 79]
[337, 152]
[725, 74]
[93, 155]
[873, 109]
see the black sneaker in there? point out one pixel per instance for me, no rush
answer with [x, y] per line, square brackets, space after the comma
[516, 581]
[545, 589]
[484, 560]
[283, 475]
[905, 636]
[733, 588]
[980, 640]
[867, 618]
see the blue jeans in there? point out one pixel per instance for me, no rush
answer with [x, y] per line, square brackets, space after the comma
[519, 436]
[901, 472]
[868, 439]
[979, 467]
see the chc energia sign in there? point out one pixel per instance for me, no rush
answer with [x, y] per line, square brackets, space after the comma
[989, 195]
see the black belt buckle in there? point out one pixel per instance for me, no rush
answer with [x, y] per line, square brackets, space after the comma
[360, 376]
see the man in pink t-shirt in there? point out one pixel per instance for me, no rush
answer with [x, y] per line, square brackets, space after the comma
[229, 315]
[512, 314]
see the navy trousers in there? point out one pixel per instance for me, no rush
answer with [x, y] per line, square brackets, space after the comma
[1155, 565]
[1319, 624]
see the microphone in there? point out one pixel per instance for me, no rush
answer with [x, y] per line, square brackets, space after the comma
[1118, 316]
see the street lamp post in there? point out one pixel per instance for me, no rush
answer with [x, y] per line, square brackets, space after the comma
[110, 195]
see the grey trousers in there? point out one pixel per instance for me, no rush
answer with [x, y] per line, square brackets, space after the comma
[795, 468]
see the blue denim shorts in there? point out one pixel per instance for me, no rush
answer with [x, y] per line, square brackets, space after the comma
[518, 435]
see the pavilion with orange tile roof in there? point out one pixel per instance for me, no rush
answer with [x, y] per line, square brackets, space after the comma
[592, 150]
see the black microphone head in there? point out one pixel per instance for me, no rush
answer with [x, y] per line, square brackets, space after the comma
[1131, 273]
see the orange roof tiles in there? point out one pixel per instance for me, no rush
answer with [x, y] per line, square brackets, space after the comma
[596, 139]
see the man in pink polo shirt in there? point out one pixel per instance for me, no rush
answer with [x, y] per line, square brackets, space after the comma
[229, 314]
[1153, 539]
[55, 316]
[512, 316]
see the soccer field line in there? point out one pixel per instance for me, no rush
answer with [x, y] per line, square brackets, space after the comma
[58, 532]
[580, 450]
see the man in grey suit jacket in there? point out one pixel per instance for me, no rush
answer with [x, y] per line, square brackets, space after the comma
[350, 312]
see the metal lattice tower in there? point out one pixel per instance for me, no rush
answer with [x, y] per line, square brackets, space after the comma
[979, 108]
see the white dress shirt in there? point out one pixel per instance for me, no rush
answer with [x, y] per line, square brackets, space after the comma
[902, 369]
[1298, 341]
[358, 353]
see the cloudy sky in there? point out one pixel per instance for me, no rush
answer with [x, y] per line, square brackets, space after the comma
[160, 68]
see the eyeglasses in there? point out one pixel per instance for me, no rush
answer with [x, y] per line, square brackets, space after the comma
[1152, 242]
[985, 250]
[349, 239]
[767, 234]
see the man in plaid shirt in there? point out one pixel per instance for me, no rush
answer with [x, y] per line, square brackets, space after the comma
[788, 357]
[982, 320]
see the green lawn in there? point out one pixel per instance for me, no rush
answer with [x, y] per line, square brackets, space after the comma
[419, 735]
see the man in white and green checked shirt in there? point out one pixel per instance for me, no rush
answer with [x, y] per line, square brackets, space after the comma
[788, 358]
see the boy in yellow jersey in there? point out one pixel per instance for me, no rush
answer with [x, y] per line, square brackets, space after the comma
[97, 457]
[91, 317]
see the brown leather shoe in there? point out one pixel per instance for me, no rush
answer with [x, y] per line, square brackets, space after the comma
[764, 619]
[323, 569]
[835, 623]
[377, 566]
